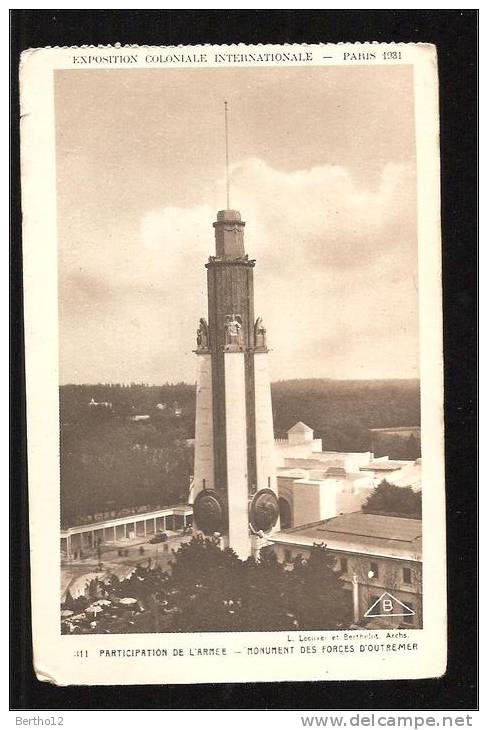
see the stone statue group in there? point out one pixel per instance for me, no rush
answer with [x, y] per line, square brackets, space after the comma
[233, 334]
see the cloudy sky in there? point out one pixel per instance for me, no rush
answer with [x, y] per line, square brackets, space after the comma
[323, 172]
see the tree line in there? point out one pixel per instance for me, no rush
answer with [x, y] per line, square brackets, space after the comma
[110, 462]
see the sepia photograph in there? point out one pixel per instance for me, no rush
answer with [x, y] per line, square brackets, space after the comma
[239, 379]
[232, 282]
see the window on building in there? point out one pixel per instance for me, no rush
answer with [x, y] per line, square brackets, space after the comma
[407, 575]
[344, 565]
[408, 619]
[288, 556]
[373, 571]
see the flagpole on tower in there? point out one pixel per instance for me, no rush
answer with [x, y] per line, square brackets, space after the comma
[227, 155]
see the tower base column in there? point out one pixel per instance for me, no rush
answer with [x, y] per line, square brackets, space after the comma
[236, 442]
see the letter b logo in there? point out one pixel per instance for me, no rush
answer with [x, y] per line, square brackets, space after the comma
[388, 605]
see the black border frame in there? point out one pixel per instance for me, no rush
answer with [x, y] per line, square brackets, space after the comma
[455, 33]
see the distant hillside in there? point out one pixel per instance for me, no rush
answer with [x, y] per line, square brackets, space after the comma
[342, 411]
[127, 446]
[339, 411]
[129, 400]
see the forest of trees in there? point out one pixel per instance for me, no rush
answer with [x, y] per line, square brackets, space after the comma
[342, 411]
[209, 589]
[110, 462]
[128, 400]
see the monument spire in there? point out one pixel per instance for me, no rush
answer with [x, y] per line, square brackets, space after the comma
[234, 491]
[229, 228]
[227, 184]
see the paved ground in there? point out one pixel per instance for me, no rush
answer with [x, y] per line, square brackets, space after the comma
[75, 574]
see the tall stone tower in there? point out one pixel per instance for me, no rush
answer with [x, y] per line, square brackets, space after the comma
[234, 491]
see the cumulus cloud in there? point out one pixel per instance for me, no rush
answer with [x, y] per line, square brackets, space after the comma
[334, 281]
[318, 215]
[322, 214]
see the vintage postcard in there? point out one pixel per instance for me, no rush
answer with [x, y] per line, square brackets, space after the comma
[233, 323]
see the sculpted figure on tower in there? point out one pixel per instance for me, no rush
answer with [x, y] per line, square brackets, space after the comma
[260, 335]
[202, 335]
[233, 327]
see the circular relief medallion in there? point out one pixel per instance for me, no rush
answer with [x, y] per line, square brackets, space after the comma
[264, 510]
[208, 512]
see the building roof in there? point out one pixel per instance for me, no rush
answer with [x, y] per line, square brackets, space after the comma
[304, 463]
[131, 517]
[381, 535]
[300, 427]
[399, 474]
[368, 525]
[335, 471]
[350, 476]
[384, 465]
[283, 471]
[394, 429]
